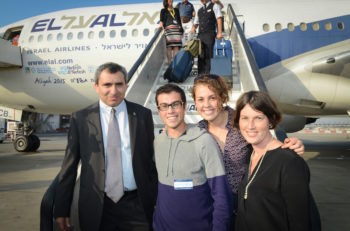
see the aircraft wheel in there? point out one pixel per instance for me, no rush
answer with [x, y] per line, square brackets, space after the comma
[21, 144]
[34, 143]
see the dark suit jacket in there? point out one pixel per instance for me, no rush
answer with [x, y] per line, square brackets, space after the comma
[85, 143]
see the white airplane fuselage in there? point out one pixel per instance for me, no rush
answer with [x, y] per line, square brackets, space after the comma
[303, 51]
[61, 50]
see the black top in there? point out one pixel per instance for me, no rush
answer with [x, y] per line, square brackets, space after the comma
[278, 197]
[167, 19]
[207, 19]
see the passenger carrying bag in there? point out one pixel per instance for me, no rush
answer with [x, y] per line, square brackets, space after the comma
[221, 63]
[194, 46]
[180, 67]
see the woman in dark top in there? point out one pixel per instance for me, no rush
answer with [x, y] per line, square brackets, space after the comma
[210, 94]
[171, 22]
[274, 193]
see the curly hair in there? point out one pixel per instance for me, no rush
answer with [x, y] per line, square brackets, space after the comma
[215, 83]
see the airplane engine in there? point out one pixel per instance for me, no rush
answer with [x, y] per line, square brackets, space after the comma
[293, 123]
[332, 65]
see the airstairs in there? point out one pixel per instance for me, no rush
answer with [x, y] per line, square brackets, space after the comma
[10, 55]
[191, 115]
[146, 76]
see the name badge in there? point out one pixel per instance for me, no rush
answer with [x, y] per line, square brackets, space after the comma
[208, 10]
[185, 184]
[174, 21]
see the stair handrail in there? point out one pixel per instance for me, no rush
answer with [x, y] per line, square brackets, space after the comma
[143, 55]
[255, 69]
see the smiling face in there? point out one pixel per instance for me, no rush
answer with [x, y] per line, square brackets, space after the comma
[254, 126]
[172, 118]
[111, 87]
[207, 102]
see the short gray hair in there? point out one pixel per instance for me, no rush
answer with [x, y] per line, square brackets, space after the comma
[112, 68]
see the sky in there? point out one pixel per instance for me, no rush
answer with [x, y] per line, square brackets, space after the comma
[15, 10]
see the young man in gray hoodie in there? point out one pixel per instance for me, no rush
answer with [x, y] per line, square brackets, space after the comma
[193, 193]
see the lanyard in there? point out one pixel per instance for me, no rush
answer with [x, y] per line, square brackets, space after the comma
[172, 12]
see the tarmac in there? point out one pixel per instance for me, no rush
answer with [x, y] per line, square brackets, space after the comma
[24, 179]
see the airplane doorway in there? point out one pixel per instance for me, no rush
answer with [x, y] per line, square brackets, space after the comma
[13, 35]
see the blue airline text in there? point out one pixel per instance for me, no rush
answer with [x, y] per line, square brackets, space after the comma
[103, 20]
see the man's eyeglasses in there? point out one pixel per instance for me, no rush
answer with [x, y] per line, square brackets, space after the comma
[174, 105]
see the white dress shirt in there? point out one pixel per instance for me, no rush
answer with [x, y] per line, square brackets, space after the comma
[123, 122]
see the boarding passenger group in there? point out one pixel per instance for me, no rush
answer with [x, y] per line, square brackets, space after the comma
[225, 173]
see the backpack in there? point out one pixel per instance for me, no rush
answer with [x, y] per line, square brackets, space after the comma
[194, 46]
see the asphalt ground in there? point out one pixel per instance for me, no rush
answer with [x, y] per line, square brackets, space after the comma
[24, 179]
[328, 157]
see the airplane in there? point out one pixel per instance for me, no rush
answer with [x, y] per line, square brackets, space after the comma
[302, 53]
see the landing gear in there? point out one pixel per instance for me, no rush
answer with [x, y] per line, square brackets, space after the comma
[23, 138]
[24, 143]
[35, 143]
[21, 143]
[22, 133]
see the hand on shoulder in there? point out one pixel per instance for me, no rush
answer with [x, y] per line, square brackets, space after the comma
[294, 144]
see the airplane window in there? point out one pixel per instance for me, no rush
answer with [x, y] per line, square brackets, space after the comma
[91, 35]
[31, 38]
[290, 26]
[278, 27]
[328, 26]
[340, 25]
[123, 33]
[112, 33]
[134, 32]
[266, 27]
[49, 37]
[69, 35]
[315, 26]
[40, 38]
[80, 35]
[145, 32]
[59, 36]
[303, 26]
[101, 34]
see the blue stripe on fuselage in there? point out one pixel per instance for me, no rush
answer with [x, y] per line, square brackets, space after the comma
[274, 47]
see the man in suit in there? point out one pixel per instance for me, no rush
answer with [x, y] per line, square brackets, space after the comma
[88, 142]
